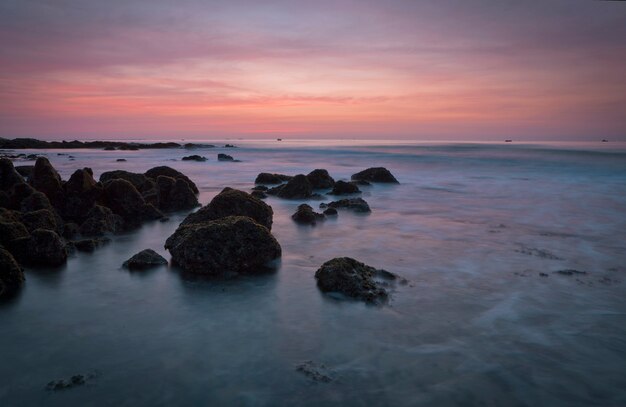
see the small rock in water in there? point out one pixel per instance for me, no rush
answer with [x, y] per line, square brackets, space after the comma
[330, 212]
[320, 179]
[74, 381]
[225, 157]
[375, 174]
[144, 259]
[570, 272]
[316, 372]
[355, 204]
[344, 188]
[306, 215]
[258, 194]
[194, 157]
[120, 160]
[267, 178]
[298, 187]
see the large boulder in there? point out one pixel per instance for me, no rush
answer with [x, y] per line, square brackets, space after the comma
[344, 188]
[354, 279]
[140, 181]
[8, 175]
[320, 179]
[101, 221]
[267, 178]
[25, 170]
[47, 180]
[306, 215]
[375, 174]
[40, 219]
[11, 274]
[175, 194]
[45, 248]
[124, 200]
[11, 230]
[298, 187]
[170, 172]
[32, 202]
[233, 202]
[354, 204]
[234, 244]
[81, 192]
[144, 259]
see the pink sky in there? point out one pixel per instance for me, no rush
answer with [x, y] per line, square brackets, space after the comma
[480, 70]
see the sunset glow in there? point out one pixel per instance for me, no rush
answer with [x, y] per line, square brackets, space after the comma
[346, 69]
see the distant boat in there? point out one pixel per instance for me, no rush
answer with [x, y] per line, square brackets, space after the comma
[605, 140]
[508, 141]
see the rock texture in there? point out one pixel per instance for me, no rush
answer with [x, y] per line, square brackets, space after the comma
[234, 244]
[320, 179]
[270, 179]
[145, 259]
[375, 174]
[11, 274]
[354, 204]
[344, 188]
[306, 215]
[298, 187]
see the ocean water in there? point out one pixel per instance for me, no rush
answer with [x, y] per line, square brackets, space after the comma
[471, 226]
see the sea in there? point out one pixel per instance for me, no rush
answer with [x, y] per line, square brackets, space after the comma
[514, 253]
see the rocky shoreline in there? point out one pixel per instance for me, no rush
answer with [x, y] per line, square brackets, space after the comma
[31, 143]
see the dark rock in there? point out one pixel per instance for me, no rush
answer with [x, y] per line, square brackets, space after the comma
[170, 172]
[224, 157]
[354, 279]
[355, 204]
[376, 174]
[47, 180]
[344, 188]
[330, 212]
[140, 181]
[35, 201]
[361, 182]
[109, 148]
[8, 175]
[233, 202]
[320, 179]
[306, 215]
[194, 157]
[41, 219]
[11, 274]
[235, 244]
[570, 272]
[144, 259]
[258, 194]
[81, 194]
[124, 200]
[298, 187]
[175, 194]
[70, 230]
[63, 384]
[10, 231]
[267, 178]
[45, 248]
[120, 160]
[25, 170]
[101, 221]
[260, 188]
[316, 372]
[229, 146]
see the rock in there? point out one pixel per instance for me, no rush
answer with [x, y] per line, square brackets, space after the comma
[260, 188]
[25, 170]
[45, 248]
[170, 172]
[41, 219]
[175, 194]
[101, 221]
[140, 181]
[234, 244]
[124, 200]
[344, 188]
[354, 279]
[317, 373]
[224, 157]
[10, 231]
[194, 157]
[8, 175]
[306, 215]
[63, 384]
[330, 212]
[376, 174]
[298, 187]
[320, 179]
[89, 245]
[144, 259]
[355, 204]
[35, 201]
[267, 178]
[70, 230]
[120, 160]
[81, 194]
[47, 180]
[109, 148]
[361, 182]
[258, 194]
[233, 202]
[229, 146]
[11, 274]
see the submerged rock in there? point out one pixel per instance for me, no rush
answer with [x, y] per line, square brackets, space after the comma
[267, 178]
[194, 157]
[234, 244]
[233, 202]
[11, 274]
[320, 179]
[344, 188]
[225, 157]
[354, 279]
[330, 212]
[375, 174]
[306, 215]
[355, 204]
[144, 259]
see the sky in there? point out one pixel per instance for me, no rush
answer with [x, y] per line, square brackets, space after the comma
[367, 69]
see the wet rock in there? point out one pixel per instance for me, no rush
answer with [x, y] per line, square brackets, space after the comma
[81, 194]
[175, 194]
[12, 230]
[124, 200]
[70, 230]
[258, 194]
[306, 215]
[41, 219]
[139, 181]
[330, 212]
[144, 259]
[316, 372]
[344, 188]
[89, 245]
[25, 170]
[35, 201]
[298, 187]
[101, 221]
[224, 157]
[354, 204]
[229, 146]
[570, 272]
[170, 172]
[233, 202]
[45, 248]
[194, 157]
[11, 274]
[361, 182]
[375, 174]
[109, 148]
[354, 279]
[234, 244]
[271, 179]
[120, 160]
[320, 179]
[47, 180]
[260, 188]
[8, 175]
